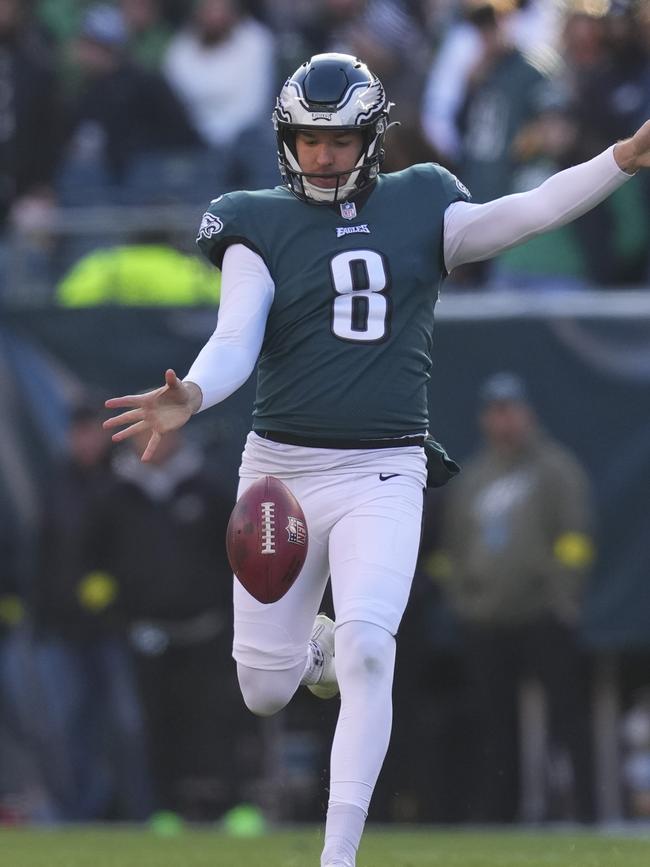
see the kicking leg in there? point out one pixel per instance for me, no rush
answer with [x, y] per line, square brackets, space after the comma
[267, 692]
[272, 644]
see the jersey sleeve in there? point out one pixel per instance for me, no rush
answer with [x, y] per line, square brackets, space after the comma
[453, 189]
[223, 224]
[436, 185]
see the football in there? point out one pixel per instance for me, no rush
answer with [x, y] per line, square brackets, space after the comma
[266, 539]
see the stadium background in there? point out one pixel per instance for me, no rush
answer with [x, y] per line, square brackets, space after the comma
[576, 326]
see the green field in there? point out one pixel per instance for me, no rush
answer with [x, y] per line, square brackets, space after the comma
[381, 848]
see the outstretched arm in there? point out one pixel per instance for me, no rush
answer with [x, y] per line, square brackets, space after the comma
[222, 366]
[476, 232]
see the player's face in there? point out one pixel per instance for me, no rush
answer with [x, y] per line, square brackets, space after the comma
[324, 154]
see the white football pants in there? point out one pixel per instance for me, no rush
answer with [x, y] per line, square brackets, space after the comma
[363, 511]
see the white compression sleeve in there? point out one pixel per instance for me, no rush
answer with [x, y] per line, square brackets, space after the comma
[476, 232]
[228, 358]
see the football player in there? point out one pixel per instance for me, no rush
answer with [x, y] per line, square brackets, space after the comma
[329, 282]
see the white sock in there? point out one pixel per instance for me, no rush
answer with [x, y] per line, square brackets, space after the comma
[365, 660]
[343, 831]
[314, 664]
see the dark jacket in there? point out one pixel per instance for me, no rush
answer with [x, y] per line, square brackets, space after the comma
[516, 536]
[160, 530]
[63, 601]
[29, 119]
[135, 112]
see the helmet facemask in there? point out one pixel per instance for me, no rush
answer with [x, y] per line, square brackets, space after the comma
[333, 92]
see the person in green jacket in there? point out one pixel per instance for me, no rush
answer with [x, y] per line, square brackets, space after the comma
[147, 272]
[515, 554]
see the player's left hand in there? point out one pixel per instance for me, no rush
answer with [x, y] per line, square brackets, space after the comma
[634, 153]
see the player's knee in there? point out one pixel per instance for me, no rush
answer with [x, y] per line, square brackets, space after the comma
[267, 692]
[364, 652]
[262, 703]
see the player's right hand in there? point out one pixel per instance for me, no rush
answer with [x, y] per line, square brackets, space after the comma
[156, 412]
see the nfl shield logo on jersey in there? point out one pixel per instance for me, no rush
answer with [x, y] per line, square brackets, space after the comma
[348, 210]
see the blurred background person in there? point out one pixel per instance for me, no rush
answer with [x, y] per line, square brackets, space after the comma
[160, 531]
[12, 709]
[642, 25]
[516, 549]
[29, 135]
[222, 68]
[503, 90]
[149, 31]
[122, 114]
[61, 18]
[531, 25]
[149, 271]
[605, 64]
[390, 38]
[557, 260]
[95, 725]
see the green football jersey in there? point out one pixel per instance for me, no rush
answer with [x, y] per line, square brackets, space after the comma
[347, 347]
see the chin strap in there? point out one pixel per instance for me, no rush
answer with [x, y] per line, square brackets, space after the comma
[319, 194]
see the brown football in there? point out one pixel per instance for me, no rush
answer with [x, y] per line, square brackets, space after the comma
[267, 539]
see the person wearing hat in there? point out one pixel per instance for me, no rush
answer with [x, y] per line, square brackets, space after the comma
[122, 112]
[515, 553]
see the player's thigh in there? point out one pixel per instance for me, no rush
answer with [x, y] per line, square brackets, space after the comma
[373, 551]
[275, 636]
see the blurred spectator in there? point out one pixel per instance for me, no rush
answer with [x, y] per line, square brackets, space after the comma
[504, 91]
[555, 260]
[515, 552]
[635, 736]
[390, 41]
[149, 32]
[388, 35]
[531, 26]
[385, 33]
[642, 24]
[62, 18]
[291, 23]
[222, 68]
[605, 69]
[148, 271]
[12, 613]
[332, 23]
[161, 533]
[29, 129]
[93, 713]
[122, 113]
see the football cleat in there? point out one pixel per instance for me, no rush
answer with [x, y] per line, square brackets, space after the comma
[322, 641]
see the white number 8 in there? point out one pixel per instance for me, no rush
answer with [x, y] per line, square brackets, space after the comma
[360, 310]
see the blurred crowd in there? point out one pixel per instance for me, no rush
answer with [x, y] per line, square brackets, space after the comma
[164, 104]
